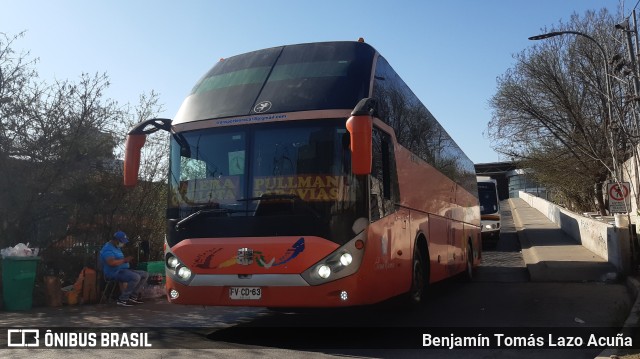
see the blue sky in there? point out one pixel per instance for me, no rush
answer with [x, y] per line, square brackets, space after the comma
[449, 52]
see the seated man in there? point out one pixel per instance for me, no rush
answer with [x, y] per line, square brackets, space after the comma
[116, 267]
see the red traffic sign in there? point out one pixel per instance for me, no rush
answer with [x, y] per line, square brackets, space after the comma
[619, 192]
[619, 199]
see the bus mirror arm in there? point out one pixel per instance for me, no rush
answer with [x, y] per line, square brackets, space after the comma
[165, 125]
[360, 127]
[366, 106]
[135, 141]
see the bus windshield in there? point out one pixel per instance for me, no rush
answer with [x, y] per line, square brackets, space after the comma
[258, 180]
[290, 78]
[488, 198]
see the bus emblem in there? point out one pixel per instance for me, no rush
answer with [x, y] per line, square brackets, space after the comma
[245, 256]
[261, 107]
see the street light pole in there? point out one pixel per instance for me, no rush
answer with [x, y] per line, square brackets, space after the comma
[607, 84]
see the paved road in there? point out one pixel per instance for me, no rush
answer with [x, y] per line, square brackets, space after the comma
[501, 298]
[504, 263]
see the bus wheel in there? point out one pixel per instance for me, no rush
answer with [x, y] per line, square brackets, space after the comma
[469, 272]
[419, 279]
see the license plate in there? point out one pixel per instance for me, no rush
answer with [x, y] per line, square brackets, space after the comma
[251, 293]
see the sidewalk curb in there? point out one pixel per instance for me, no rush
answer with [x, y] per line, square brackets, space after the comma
[633, 319]
[529, 254]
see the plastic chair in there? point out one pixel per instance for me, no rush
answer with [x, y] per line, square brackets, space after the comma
[107, 292]
[109, 287]
[109, 284]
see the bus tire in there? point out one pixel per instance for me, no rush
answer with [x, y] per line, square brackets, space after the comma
[469, 272]
[419, 279]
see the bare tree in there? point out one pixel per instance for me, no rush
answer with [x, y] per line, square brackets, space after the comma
[146, 203]
[60, 155]
[550, 111]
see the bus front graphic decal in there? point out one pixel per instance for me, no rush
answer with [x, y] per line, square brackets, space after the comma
[203, 260]
[292, 252]
[260, 259]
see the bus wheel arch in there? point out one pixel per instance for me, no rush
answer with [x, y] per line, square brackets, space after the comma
[470, 269]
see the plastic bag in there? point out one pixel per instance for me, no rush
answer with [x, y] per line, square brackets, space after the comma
[70, 294]
[19, 250]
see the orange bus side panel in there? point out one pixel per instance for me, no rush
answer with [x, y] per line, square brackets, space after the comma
[386, 267]
[438, 247]
[457, 248]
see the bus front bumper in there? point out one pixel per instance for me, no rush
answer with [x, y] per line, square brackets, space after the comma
[285, 291]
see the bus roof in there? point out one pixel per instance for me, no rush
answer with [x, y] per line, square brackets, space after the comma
[262, 85]
[302, 77]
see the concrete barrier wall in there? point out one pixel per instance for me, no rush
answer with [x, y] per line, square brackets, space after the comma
[599, 237]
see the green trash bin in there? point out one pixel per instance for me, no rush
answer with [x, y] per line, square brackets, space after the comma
[18, 277]
[156, 267]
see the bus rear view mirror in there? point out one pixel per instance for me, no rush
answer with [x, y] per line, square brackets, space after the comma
[133, 148]
[360, 128]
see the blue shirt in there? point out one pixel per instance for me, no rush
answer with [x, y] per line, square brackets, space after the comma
[109, 250]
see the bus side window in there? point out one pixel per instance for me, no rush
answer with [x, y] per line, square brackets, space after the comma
[384, 185]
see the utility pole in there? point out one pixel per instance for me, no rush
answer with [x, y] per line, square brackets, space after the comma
[624, 26]
[633, 61]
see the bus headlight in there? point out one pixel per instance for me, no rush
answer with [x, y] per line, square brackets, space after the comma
[324, 271]
[337, 265]
[184, 273]
[172, 262]
[341, 263]
[346, 259]
[177, 270]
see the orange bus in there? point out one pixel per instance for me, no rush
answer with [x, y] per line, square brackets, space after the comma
[310, 175]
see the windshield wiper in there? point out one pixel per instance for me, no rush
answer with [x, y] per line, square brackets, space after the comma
[293, 197]
[271, 196]
[194, 215]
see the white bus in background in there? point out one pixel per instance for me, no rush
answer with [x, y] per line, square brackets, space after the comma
[489, 209]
